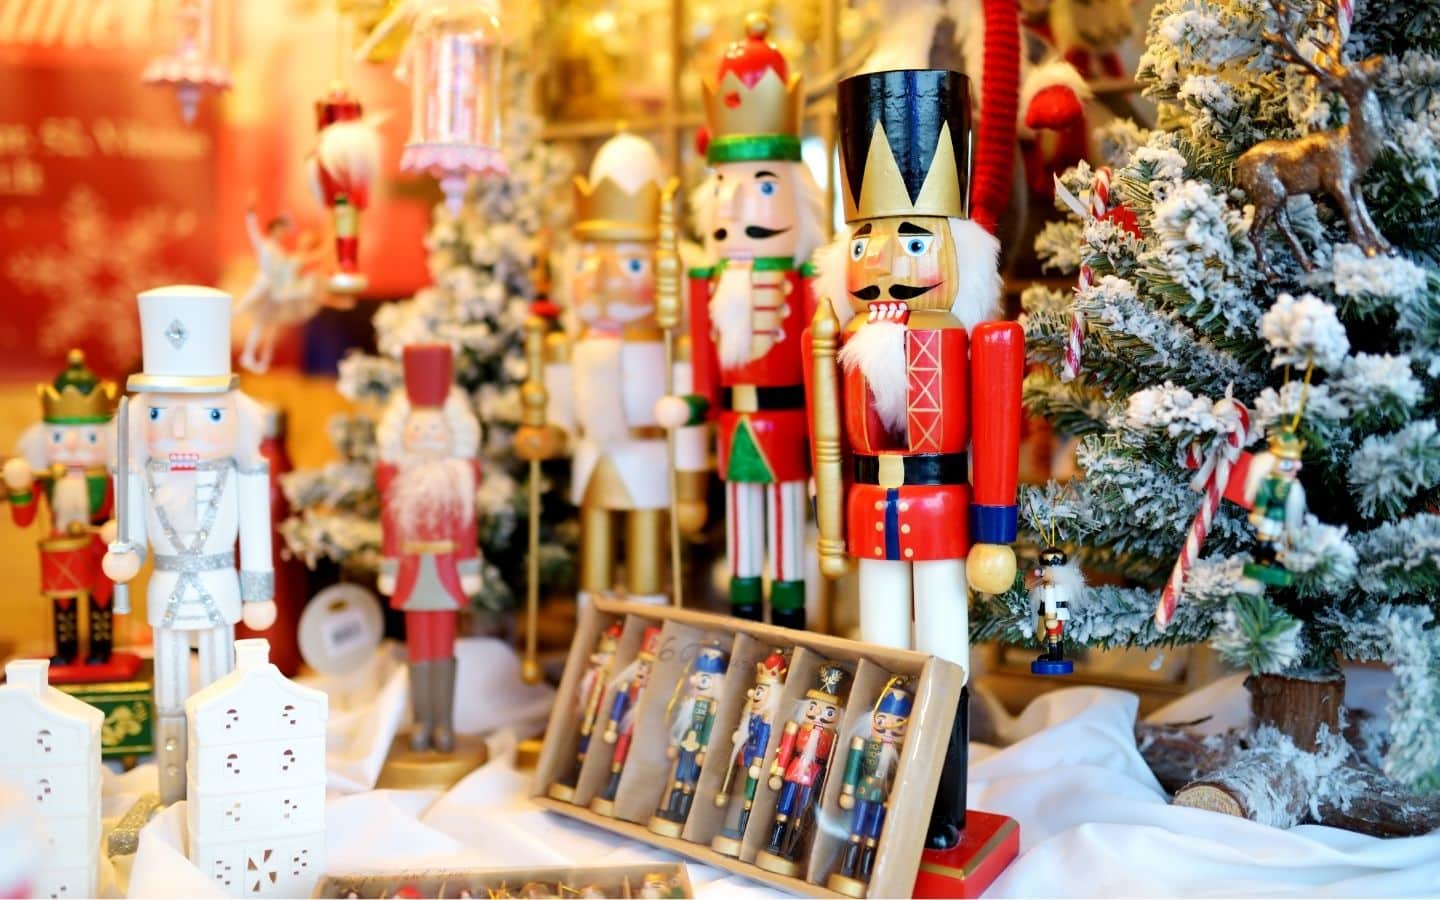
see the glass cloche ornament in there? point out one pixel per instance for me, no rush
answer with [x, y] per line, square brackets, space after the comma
[192, 66]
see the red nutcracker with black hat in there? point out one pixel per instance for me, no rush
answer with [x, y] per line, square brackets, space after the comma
[427, 475]
[915, 391]
[763, 216]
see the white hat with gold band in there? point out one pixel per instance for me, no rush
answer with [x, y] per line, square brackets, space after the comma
[185, 339]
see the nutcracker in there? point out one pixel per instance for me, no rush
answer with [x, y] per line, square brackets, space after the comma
[620, 723]
[869, 777]
[196, 483]
[921, 376]
[587, 705]
[63, 457]
[1277, 507]
[763, 216]
[751, 740]
[602, 384]
[427, 475]
[341, 169]
[1054, 586]
[690, 727]
[798, 773]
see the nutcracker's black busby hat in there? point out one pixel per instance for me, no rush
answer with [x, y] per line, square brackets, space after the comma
[905, 143]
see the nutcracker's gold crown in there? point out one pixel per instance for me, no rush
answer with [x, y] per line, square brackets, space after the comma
[78, 396]
[772, 106]
[772, 669]
[1286, 444]
[605, 211]
[884, 194]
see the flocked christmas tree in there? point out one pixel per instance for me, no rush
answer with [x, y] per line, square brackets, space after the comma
[482, 265]
[1178, 321]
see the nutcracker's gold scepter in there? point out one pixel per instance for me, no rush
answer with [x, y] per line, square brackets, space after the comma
[667, 316]
[829, 480]
[533, 400]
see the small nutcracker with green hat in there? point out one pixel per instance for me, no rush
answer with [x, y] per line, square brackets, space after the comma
[1278, 508]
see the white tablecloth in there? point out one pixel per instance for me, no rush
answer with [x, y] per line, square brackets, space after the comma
[1093, 820]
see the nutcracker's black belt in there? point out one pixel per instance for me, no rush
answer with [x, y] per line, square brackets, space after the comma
[926, 468]
[784, 397]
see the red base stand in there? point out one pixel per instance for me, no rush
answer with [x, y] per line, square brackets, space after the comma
[987, 845]
[121, 667]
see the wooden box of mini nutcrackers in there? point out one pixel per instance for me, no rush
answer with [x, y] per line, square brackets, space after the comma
[129, 709]
[624, 798]
[638, 880]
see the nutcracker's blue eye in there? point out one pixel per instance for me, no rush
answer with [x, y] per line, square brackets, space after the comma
[57, 436]
[635, 266]
[154, 413]
[916, 246]
[216, 415]
[767, 188]
[857, 248]
[94, 438]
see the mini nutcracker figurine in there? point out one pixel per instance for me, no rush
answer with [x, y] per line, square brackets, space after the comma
[587, 706]
[869, 777]
[690, 736]
[1054, 585]
[197, 483]
[751, 739]
[427, 476]
[602, 385]
[345, 162]
[64, 457]
[1277, 506]
[620, 724]
[922, 377]
[659, 886]
[763, 217]
[798, 773]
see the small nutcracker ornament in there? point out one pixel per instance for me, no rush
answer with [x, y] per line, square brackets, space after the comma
[751, 740]
[620, 723]
[63, 457]
[1054, 586]
[801, 765]
[602, 383]
[430, 566]
[690, 728]
[659, 886]
[1277, 507]
[587, 706]
[869, 777]
[192, 67]
[916, 418]
[195, 483]
[341, 169]
[763, 216]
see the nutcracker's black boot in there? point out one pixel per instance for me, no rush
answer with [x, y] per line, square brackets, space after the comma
[612, 787]
[102, 636]
[947, 817]
[1054, 652]
[867, 862]
[787, 604]
[67, 632]
[744, 820]
[686, 798]
[777, 834]
[851, 862]
[746, 600]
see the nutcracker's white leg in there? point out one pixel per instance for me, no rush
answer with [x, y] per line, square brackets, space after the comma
[942, 610]
[172, 686]
[885, 602]
[217, 653]
[785, 518]
[745, 536]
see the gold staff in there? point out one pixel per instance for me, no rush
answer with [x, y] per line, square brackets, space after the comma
[533, 401]
[667, 316]
[829, 481]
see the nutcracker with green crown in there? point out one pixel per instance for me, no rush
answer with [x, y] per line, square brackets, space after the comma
[63, 459]
[763, 216]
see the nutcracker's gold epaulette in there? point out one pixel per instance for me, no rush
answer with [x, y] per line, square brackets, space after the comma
[557, 348]
[682, 348]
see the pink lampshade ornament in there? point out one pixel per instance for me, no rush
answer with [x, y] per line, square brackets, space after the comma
[192, 67]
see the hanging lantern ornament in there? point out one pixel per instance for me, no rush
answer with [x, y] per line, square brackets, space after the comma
[452, 63]
[366, 15]
[192, 68]
[342, 169]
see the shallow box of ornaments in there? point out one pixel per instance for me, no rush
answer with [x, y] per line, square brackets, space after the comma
[646, 776]
[638, 880]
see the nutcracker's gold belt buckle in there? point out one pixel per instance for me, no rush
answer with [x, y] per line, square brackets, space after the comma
[435, 547]
[892, 470]
[744, 398]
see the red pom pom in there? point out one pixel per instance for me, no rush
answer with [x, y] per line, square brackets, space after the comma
[1053, 108]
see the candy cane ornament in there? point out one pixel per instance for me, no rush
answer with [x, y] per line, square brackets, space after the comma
[1097, 207]
[1215, 467]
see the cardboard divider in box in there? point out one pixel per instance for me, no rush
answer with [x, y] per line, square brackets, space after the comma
[613, 881]
[648, 773]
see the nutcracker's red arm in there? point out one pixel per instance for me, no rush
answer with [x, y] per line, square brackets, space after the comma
[468, 541]
[389, 536]
[786, 750]
[704, 364]
[997, 368]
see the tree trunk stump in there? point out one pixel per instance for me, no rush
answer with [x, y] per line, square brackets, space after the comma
[1297, 707]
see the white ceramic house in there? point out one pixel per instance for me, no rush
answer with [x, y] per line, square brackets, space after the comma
[255, 810]
[50, 749]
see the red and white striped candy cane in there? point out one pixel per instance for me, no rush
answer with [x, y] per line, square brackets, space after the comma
[1099, 204]
[1214, 473]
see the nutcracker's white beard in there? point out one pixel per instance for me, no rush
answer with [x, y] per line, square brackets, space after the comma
[599, 380]
[730, 311]
[1064, 584]
[70, 502]
[431, 492]
[878, 350]
[889, 758]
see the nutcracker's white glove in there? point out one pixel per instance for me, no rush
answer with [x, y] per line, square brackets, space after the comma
[470, 584]
[18, 474]
[386, 585]
[121, 566]
[108, 532]
[258, 616]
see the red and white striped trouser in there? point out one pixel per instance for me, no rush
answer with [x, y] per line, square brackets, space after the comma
[761, 517]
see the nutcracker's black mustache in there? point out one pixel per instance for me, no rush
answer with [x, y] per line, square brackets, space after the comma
[867, 293]
[897, 291]
[756, 232]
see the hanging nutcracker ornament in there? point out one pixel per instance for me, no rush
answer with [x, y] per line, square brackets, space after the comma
[587, 706]
[342, 169]
[620, 723]
[1277, 507]
[63, 459]
[1055, 585]
[691, 722]
[192, 66]
[751, 740]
